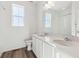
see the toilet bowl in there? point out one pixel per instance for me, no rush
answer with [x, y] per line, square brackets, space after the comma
[28, 44]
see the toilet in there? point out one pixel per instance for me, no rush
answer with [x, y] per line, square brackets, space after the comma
[28, 44]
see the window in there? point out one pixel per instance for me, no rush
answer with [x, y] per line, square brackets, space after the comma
[47, 20]
[17, 15]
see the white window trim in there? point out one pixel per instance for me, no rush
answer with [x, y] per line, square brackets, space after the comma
[19, 25]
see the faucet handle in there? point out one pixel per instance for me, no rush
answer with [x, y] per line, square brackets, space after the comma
[67, 39]
[46, 33]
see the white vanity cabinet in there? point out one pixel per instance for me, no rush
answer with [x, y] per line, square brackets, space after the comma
[48, 50]
[42, 49]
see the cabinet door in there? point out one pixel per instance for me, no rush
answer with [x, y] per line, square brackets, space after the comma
[48, 51]
[40, 48]
[34, 44]
[37, 47]
[62, 54]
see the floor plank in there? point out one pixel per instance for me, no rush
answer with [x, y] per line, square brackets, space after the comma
[18, 53]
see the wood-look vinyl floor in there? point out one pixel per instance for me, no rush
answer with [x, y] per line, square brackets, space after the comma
[18, 53]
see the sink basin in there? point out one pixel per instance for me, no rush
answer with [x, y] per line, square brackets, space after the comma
[41, 35]
[63, 42]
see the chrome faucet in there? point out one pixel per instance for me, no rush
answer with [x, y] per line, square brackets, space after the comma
[67, 39]
[45, 34]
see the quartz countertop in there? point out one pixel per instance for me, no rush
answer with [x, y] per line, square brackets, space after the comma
[72, 50]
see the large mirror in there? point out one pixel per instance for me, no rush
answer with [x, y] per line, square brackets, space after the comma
[57, 18]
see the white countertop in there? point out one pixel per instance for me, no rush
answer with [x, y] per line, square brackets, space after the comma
[72, 50]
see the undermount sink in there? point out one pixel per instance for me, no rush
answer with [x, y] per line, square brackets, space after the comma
[63, 42]
[43, 34]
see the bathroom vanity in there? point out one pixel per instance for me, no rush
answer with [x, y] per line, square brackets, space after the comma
[53, 47]
[42, 48]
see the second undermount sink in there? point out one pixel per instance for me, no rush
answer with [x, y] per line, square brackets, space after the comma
[43, 34]
[63, 42]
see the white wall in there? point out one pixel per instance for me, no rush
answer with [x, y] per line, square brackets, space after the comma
[55, 22]
[39, 18]
[75, 18]
[66, 19]
[13, 37]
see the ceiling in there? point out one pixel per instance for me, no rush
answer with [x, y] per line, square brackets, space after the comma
[58, 4]
[61, 4]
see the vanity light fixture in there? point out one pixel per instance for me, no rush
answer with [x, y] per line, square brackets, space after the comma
[49, 4]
